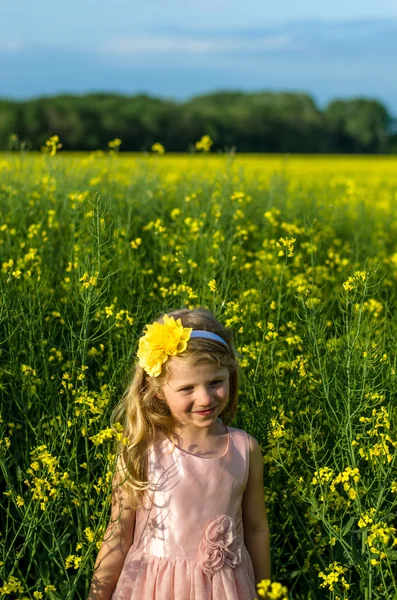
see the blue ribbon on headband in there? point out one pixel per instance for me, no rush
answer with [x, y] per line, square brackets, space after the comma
[207, 334]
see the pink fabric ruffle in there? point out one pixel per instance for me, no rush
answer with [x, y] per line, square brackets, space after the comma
[219, 545]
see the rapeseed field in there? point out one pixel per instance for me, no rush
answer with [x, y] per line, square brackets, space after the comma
[298, 254]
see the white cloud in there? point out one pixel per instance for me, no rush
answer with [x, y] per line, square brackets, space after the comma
[201, 45]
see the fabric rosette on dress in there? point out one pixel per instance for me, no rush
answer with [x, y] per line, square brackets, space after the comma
[219, 545]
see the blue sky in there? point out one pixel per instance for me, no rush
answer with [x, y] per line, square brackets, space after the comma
[180, 48]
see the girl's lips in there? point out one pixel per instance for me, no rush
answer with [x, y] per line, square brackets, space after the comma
[205, 412]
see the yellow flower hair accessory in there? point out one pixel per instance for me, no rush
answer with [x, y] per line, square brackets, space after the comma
[161, 341]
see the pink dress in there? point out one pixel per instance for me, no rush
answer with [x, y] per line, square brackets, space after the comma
[188, 542]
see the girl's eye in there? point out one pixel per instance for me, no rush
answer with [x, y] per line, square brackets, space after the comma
[212, 383]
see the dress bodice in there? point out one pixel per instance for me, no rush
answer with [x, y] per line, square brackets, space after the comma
[189, 492]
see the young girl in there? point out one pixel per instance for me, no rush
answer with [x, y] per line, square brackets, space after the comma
[188, 519]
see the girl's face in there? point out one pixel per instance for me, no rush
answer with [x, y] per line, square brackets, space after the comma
[193, 389]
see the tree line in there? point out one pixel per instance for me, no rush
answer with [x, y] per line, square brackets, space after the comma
[246, 122]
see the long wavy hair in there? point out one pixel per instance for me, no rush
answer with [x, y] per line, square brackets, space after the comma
[146, 418]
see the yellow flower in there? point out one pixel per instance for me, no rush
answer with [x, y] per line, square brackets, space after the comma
[51, 146]
[348, 285]
[159, 342]
[335, 570]
[115, 144]
[212, 285]
[89, 534]
[272, 590]
[135, 243]
[108, 311]
[287, 244]
[73, 561]
[159, 148]
[204, 144]
[12, 585]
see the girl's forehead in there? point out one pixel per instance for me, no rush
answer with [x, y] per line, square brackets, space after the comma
[179, 368]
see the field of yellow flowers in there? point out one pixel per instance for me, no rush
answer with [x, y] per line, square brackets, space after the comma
[297, 254]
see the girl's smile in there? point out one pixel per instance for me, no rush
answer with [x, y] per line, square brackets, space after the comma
[205, 412]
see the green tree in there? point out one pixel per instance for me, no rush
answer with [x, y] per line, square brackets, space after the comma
[9, 112]
[358, 125]
[250, 122]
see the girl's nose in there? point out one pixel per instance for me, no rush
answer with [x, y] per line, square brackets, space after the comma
[204, 397]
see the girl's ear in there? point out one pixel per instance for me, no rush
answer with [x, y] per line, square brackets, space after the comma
[160, 395]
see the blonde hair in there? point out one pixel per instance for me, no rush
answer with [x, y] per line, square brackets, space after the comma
[146, 418]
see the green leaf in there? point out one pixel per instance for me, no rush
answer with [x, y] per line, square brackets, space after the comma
[348, 526]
